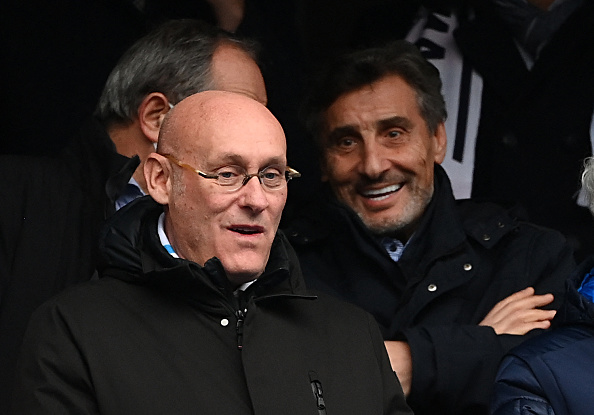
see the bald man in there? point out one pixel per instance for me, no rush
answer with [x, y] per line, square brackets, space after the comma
[53, 207]
[201, 307]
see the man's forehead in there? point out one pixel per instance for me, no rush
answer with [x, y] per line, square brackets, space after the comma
[388, 99]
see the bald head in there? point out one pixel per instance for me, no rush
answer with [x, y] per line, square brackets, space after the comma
[219, 113]
[206, 141]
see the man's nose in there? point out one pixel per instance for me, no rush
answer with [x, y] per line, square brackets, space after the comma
[254, 195]
[373, 160]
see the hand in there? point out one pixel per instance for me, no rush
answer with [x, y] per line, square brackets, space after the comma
[519, 313]
[401, 361]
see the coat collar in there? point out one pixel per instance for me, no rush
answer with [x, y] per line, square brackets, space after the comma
[93, 157]
[131, 251]
[445, 227]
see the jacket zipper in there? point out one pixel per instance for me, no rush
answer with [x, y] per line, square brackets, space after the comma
[316, 387]
[240, 314]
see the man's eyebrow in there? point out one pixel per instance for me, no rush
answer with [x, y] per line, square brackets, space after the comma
[230, 158]
[239, 160]
[342, 131]
[396, 121]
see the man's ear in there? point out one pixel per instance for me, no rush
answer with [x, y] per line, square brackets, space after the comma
[441, 143]
[158, 176]
[151, 112]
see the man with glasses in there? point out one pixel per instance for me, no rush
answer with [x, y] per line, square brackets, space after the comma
[53, 207]
[201, 307]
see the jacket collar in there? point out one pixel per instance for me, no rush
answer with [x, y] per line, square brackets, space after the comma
[440, 230]
[131, 251]
[94, 158]
[440, 219]
[445, 227]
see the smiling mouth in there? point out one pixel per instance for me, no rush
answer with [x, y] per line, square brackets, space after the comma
[381, 194]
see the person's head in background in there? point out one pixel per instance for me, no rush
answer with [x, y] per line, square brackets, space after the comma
[177, 59]
[377, 116]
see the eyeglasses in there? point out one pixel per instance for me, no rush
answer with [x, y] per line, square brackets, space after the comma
[233, 178]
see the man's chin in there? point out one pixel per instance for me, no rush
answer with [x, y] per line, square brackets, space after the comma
[241, 273]
[394, 228]
[385, 229]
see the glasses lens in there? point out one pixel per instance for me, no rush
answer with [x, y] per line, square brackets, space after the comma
[230, 176]
[272, 177]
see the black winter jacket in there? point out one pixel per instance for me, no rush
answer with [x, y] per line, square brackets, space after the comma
[463, 259]
[52, 209]
[160, 335]
[554, 372]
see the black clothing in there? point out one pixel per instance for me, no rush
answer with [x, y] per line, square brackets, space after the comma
[534, 131]
[553, 373]
[463, 259]
[160, 335]
[51, 214]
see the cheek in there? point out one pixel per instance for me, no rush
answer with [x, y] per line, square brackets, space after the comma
[277, 204]
[418, 157]
[197, 205]
[339, 169]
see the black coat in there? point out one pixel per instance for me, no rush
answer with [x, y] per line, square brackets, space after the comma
[463, 259]
[534, 130]
[554, 372]
[51, 212]
[160, 335]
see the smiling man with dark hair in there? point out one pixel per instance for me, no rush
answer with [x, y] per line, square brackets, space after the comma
[453, 285]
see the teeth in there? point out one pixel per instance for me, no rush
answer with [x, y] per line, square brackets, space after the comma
[380, 198]
[381, 194]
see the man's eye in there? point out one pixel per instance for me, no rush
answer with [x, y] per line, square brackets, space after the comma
[228, 173]
[394, 134]
[345, 142]
[271, 174]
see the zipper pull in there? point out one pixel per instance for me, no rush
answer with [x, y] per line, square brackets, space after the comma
[240, 314]
[316, 387]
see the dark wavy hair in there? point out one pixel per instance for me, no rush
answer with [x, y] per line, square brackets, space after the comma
[354, 70]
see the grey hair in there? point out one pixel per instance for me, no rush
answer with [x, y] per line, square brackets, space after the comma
[588, 182]
[173, 59]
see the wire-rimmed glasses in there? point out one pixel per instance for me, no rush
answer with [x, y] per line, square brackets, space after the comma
[232, 177]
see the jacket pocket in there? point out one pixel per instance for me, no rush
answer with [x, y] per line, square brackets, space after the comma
[318, 392]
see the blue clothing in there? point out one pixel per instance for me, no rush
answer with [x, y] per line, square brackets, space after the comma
[587, 287]
[554, 372]
[393, 247]
[131, 192]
